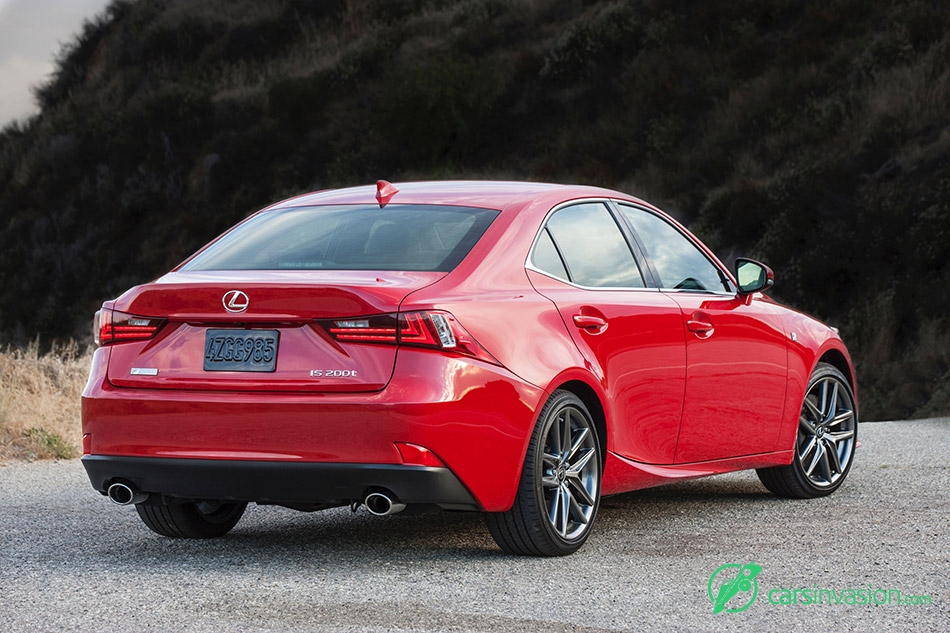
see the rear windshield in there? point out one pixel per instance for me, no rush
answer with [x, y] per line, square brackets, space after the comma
[397, 237]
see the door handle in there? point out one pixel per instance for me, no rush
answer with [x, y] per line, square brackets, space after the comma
[700, 325]
[593, 324]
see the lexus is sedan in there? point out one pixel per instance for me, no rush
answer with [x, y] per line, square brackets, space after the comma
[515, 349]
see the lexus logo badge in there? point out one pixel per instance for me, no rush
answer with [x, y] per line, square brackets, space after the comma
[235, 301]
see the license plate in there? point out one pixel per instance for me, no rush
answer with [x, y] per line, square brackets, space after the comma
[240, 350]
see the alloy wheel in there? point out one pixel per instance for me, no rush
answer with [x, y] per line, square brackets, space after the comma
[826, 432]
[559, 491]
[570, 478]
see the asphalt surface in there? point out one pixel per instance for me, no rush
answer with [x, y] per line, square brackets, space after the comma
[70, 560]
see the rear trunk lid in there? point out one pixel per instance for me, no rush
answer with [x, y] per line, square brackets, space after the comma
[259, 330]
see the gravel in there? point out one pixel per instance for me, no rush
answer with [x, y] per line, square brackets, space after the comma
[70, 560]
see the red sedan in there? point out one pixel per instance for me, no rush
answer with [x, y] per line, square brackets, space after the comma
[516, 349]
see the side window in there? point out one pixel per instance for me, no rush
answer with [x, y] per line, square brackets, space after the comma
[594, 250]
[680, 263]
[546, 257]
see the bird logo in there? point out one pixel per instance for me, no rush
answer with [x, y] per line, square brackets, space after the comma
[732, 581]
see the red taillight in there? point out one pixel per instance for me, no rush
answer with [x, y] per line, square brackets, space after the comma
[416, 328]
[374, 329]
[434, 329]
[111, 327]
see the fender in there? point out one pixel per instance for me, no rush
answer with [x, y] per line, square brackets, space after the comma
[809, 343]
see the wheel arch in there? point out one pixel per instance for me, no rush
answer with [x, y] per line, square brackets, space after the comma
[839, 361]
[592, 401]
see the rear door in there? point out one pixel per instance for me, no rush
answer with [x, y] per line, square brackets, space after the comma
[736, 356]
[630, 333]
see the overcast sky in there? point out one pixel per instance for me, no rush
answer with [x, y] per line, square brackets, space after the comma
[31, 32]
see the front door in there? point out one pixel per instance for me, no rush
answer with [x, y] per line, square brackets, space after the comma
[736, 351]
[736, 362]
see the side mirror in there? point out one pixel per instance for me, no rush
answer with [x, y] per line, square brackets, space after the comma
[753, 276]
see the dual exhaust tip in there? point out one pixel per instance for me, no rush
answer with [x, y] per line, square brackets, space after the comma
[379, 503]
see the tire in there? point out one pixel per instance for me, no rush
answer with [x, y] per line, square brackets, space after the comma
[201, 519]
[825, 442]
[559, 490]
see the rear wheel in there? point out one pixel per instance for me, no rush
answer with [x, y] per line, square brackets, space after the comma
[559, 490]
[200, 519]
[824, 446]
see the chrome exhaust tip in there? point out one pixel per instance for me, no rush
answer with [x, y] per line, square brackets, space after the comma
[124, 495]
[381, 504]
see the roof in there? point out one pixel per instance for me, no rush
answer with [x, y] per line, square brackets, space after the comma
[471, 193]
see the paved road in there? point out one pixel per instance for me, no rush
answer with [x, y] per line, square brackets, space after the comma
[70, 560]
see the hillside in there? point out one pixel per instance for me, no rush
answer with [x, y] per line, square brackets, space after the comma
[812, 135]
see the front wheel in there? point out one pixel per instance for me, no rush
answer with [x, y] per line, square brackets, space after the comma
[824, 446]
[199, 519]
[559, 490]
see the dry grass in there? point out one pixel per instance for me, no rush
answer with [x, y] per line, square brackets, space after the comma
[40, 402]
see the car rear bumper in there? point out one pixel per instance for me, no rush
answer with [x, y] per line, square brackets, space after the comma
[475, 417]
[278, 482]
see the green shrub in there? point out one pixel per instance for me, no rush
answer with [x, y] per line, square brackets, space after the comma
[46, 444]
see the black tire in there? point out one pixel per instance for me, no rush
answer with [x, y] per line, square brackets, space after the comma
[825, 442]
[559, 491]
[202, 519]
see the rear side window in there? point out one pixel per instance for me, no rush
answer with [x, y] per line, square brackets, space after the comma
[584, 243]
[547, 258]
[397, 237]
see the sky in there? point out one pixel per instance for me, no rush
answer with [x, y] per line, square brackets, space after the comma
[31, 32]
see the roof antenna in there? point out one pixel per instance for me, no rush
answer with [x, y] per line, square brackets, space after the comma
[384, 192]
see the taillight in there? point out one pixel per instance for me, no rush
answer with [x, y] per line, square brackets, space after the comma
[111, 326]
[375, 329]
[433, 329]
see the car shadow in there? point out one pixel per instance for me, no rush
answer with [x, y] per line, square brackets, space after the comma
[717, 489]
[269, 535]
